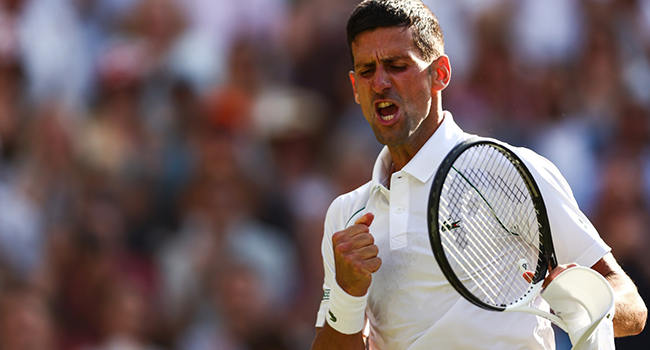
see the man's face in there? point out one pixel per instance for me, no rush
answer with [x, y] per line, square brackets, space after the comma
[392, 83]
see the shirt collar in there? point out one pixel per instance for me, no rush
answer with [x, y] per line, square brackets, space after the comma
[428, 158]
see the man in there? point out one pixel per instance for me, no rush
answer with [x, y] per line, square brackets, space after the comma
[377, 258]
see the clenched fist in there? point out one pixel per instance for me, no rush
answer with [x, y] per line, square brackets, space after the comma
[355, 256]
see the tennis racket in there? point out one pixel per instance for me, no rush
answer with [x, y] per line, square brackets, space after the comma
[489, 229]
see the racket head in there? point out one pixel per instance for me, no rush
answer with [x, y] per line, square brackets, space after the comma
[488, 225]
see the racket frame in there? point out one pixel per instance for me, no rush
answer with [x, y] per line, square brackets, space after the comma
[546, 257]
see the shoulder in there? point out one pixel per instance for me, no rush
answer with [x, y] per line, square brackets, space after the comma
[347, 206]
[543, 170]
[575, 239]
[535, 159]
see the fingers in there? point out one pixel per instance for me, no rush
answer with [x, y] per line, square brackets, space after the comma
[528, 276]
[352, 240]
[366, 219]
[556, 272]
[355, 236]
[372, 265]
[367, 256]
[356, 256]
[356, 248]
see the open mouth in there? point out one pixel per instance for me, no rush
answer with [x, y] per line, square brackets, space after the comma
[386, 110]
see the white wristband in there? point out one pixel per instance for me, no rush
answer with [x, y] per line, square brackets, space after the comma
[346, 313]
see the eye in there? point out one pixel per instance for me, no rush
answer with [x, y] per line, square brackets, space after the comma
[398, 67]
[366, 72]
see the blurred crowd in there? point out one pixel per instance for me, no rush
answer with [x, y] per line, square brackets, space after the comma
[166, 165]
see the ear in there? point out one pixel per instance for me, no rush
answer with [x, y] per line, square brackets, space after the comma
[354, 86]
[440, 73]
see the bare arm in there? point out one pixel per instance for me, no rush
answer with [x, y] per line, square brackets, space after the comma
[631, 312]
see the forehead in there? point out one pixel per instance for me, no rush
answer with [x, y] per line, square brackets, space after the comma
[384, 42]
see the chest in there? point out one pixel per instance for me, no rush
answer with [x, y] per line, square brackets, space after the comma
[400, 229]
[409, 284]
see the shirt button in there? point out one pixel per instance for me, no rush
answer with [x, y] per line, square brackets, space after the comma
[399, 210]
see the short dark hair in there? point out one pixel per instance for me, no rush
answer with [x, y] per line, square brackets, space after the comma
[373, 14]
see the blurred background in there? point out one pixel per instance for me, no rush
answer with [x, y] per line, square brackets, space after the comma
[166, 165]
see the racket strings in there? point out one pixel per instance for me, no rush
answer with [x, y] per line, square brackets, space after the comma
[497, 235]
[478, 260]
[467, 255]
[482, 277]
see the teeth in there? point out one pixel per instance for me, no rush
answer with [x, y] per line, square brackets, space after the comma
[381, 105]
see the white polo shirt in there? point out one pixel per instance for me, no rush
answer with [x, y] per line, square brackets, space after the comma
[410, 303]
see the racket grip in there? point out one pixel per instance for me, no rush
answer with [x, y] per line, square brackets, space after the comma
[346, 313]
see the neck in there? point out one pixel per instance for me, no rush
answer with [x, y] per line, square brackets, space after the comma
[402, 154]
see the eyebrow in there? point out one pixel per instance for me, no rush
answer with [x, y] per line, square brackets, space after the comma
[387, 60]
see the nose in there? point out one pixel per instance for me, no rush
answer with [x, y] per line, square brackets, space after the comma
[381, 80]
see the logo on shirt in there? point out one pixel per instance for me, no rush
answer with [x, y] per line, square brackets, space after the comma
[326, 294]
[332, 317]
[449, 225]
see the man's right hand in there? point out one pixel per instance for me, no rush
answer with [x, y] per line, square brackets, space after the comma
[355, 256]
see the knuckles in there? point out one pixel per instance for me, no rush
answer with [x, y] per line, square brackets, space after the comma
[362, 261]
[374, 264]
[341, 248]
[355, 249]
[352, 239]
[358, 265]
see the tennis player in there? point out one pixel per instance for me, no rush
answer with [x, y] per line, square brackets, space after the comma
[379, 268]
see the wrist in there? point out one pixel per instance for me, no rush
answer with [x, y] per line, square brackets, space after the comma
[346, 313]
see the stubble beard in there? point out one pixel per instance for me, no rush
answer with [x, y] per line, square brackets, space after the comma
[396, 134]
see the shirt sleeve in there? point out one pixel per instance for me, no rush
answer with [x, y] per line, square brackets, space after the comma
[333, 213]
[575, 239]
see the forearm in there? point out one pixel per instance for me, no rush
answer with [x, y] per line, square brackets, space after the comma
[355, 257]
[631, 311]
[327, 338]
